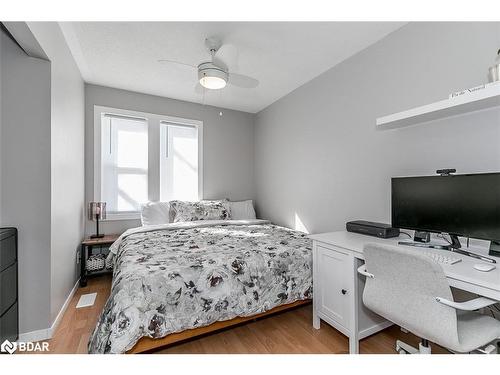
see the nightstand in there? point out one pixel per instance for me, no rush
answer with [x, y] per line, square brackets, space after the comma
[87, 249]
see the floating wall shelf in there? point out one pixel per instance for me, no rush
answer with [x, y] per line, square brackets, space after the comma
[482, 99]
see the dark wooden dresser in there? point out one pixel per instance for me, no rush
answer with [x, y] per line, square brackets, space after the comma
[9, 326]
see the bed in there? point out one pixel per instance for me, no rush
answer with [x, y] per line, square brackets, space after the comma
[178, 280]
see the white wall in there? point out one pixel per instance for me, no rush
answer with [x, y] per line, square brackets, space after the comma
[318, 155]
[227, 144]
[67, 161]
[26, 175]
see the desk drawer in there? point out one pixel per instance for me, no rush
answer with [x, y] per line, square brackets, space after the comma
[8, 288]
[332, 284]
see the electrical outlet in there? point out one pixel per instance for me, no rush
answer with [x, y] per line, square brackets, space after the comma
[77, 257]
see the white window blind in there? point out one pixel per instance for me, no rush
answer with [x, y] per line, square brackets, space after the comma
[178, 162]
[124, 163]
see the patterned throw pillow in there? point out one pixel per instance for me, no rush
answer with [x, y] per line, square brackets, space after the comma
[202, 210]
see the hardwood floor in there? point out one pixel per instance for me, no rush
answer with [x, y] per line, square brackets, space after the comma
[72, 334]
[284, 333]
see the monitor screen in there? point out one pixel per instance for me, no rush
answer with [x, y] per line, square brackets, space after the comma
[466, 205]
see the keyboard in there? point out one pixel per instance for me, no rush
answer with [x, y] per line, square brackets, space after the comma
[443, 259]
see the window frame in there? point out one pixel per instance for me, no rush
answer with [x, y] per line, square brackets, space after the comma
[153, 121]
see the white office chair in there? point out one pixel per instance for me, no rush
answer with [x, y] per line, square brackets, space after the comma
[411, 290]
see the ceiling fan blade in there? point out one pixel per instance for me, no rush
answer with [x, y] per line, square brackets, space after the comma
[226, 56]
[165, 61]
[241, 80]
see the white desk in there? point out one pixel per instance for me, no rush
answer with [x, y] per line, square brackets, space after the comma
[338, 287]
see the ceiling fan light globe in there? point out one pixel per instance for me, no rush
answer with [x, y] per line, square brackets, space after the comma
[212, 83]
[212, 76]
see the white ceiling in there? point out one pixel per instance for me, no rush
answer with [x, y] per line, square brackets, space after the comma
[281, 55]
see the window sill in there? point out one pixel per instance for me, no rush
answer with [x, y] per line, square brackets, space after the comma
[123, 216]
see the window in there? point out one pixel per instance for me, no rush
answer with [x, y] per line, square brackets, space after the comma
[179, 162]
[124, 163]
[140, 157]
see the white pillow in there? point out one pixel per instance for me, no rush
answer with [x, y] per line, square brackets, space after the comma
[242, 210]
[153, 213]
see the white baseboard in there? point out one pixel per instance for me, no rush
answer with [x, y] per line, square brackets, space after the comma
[47, 333]
[39, 335]
[60, 315]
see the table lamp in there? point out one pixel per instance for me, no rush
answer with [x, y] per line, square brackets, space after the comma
[97, 211]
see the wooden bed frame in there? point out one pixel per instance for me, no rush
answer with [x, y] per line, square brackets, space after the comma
[146, 344]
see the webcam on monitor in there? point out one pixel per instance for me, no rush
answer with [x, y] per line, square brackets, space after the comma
[446, 172]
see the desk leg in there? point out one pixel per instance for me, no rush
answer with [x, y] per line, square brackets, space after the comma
[83, 259]
[354, 344]
[353, 301]
[316, 319]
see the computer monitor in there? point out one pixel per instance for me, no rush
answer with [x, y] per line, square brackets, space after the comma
[462, 205]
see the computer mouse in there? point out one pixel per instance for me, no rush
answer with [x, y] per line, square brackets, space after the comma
[483, 267]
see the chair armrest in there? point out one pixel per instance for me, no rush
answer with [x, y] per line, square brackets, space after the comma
[473, 304]
[362, 271]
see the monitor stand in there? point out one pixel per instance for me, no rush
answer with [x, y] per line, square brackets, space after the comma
[455, 242]
[454, 246]
[495, 248]
[424, 244]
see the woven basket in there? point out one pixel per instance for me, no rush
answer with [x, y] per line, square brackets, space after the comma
[95, 262]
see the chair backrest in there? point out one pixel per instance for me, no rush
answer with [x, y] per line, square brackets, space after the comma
[404, 290]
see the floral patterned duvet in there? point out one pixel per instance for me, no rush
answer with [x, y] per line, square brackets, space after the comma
[180, 276]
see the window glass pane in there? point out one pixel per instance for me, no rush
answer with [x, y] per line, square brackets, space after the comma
[132, 191]
[124, 163]
[179, 162]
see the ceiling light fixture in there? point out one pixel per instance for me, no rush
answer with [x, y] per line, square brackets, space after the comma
[211, 76]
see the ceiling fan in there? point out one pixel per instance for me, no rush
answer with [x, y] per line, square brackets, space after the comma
[215, 74]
